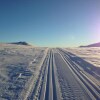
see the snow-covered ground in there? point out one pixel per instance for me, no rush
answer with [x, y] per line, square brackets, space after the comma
[91, 55]
[23, 70]
[19, 66]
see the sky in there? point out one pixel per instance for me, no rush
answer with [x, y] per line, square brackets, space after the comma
[52, 23]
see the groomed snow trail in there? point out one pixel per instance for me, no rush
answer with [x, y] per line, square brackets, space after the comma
[61, 79]
[47, 86]
[74, 83]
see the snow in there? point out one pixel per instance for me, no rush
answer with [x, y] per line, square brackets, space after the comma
[91, 55]
[18, 66]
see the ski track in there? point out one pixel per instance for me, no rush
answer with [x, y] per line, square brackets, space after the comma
[88, 89]
[46, 88]
[60, 78]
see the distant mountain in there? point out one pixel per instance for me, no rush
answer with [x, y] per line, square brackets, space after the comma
[93, 45]
[20, 43]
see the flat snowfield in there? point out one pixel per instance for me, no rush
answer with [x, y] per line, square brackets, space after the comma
[92, 54]
[19, 69]
[33, 73]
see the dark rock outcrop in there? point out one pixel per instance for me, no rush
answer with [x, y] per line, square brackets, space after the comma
[20, 43]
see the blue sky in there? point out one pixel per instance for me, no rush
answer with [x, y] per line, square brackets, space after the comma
[62, 23]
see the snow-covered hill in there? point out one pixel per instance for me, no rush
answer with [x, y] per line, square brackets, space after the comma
[93, 45]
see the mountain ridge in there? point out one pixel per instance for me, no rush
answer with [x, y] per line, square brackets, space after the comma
[20, 43]
[92, 45]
